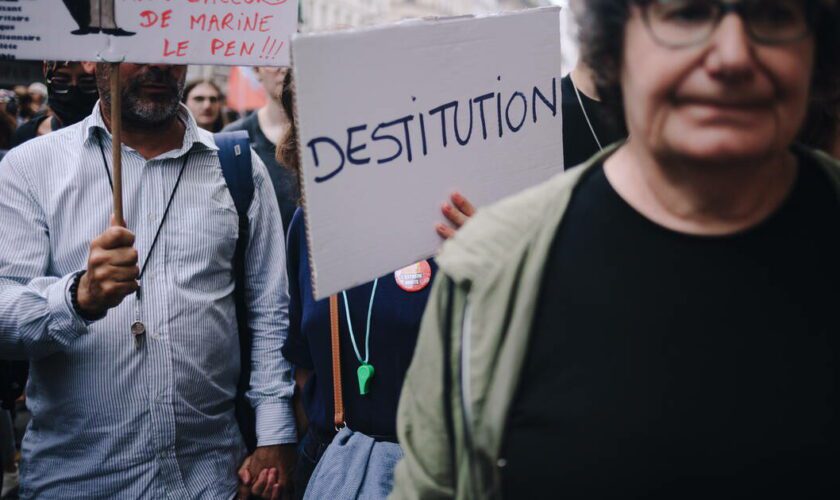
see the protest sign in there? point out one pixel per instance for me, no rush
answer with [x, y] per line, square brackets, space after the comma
[235, 32]
[394, 119]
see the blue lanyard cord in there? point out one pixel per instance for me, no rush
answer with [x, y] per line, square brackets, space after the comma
[367, 330]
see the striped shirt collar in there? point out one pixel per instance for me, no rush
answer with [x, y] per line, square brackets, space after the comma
[193, 135]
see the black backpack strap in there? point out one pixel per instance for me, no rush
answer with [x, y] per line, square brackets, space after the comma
[235, 158]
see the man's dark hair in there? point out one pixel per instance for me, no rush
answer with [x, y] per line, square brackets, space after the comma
[602, 28]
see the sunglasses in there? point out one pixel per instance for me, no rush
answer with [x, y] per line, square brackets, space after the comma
[62, 84]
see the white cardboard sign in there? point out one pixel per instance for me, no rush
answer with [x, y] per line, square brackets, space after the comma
[226, 32]
[393, 119]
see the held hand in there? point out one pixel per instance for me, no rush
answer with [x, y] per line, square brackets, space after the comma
[457, 213]
[112, 271]
[267, 473]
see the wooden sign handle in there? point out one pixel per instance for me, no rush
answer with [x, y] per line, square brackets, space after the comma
[116, 142]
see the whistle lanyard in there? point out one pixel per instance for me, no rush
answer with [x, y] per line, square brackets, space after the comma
[365, 371]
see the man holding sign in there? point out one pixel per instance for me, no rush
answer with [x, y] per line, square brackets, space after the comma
[153, 418]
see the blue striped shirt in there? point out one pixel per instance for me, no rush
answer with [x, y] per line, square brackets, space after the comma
[110, 420]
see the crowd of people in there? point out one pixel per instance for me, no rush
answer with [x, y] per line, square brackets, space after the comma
[654, 321]
[68, 93]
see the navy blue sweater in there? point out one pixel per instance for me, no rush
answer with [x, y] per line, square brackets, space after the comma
[395, 323]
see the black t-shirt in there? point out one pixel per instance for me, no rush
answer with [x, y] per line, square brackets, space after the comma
[284, 182]
[578, 142]
[663, 365]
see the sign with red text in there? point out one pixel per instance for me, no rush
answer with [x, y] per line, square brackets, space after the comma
[393, 119]
[226, 32]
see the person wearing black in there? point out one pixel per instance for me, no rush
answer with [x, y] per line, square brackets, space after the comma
[660, 322]
[265, 127]
[587, 126]
[71, 88]
[587, 129]
[741, 397]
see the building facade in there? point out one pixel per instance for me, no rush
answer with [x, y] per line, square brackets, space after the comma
[318, 15]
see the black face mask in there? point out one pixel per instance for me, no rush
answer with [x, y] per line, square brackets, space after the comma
[72, 106]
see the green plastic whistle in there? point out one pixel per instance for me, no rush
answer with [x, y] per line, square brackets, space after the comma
[365, 373]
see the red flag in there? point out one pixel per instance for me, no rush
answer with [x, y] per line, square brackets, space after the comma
[245, 92]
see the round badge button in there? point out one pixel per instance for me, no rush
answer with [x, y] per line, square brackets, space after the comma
[414, 277]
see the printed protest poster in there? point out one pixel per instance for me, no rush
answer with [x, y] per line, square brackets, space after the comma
[394, 119]
[247, 33]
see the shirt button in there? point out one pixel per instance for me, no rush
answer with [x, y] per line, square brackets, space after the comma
[152, 217]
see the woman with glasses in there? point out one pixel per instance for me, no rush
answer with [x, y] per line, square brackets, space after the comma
[661, 322]
[71, 91]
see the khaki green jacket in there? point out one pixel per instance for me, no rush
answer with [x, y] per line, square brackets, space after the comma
[473, 341]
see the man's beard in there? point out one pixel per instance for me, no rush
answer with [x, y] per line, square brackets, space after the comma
[146, 111]
[150, 111]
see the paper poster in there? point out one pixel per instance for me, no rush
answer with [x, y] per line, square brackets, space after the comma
[224, 32]
[394, 119]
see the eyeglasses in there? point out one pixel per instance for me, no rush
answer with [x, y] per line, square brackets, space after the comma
[61, 84]
[686, 23]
